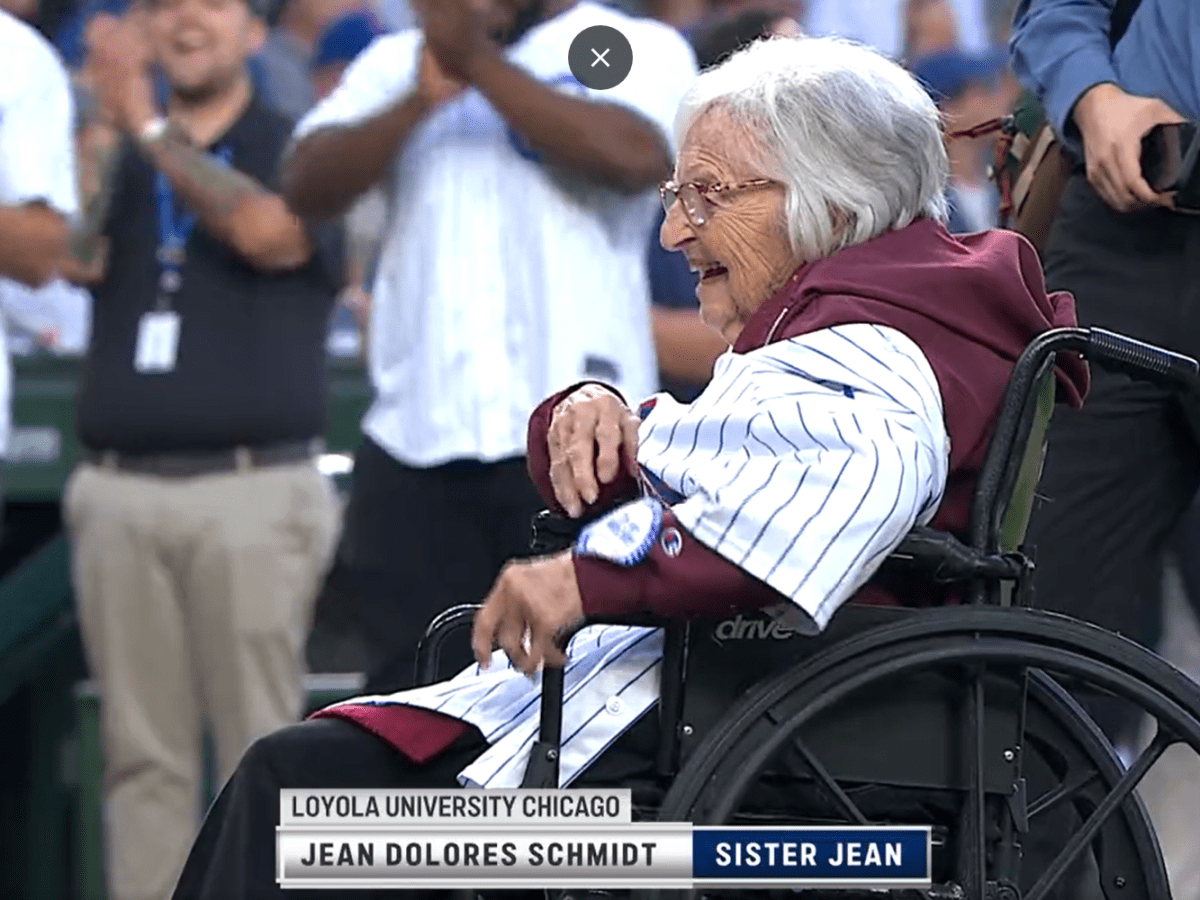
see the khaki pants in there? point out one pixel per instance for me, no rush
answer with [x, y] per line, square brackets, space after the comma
[195, 598]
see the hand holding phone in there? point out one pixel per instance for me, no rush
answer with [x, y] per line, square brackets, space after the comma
[1169, 154]
[1113, 125]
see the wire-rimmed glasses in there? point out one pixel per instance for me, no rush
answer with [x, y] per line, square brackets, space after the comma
[693, 196]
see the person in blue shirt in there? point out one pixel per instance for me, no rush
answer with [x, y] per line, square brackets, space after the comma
[1121, 472]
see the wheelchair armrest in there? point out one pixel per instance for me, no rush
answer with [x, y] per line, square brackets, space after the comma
[946, 559]
[553, 533]
[429, 648]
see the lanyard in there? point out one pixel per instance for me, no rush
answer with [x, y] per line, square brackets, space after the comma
[173, 233]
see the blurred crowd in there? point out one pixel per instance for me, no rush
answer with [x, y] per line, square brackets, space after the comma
[955, 46]
[397, 271]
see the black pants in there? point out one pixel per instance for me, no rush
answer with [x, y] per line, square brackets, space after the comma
[233, 858]
[418, 541]
[1187, 553]
[1121, 472]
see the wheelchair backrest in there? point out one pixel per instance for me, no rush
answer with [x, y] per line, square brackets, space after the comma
[1025, 470]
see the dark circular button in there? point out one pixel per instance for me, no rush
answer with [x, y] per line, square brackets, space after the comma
[600, 57]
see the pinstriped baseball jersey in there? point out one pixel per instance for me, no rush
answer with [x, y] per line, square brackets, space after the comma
[804, 462]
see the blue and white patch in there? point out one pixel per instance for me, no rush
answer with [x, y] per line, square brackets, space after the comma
[624, 536]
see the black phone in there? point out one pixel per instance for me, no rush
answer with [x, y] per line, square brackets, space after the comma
[1169, 157]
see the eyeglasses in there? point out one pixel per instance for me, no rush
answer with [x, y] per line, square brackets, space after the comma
[694, 197]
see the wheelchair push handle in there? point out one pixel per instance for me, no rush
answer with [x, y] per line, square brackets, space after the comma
[1143, 361]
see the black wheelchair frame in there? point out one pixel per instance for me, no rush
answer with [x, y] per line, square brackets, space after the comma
[982, 637]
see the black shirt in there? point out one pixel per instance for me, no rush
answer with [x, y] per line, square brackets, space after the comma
[251, 363]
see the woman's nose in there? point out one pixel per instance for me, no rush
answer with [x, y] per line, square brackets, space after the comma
[676, 230]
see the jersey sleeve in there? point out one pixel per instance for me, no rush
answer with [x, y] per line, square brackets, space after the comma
[379, 76]
[37, 149]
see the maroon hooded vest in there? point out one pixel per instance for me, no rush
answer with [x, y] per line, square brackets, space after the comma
[971, 303]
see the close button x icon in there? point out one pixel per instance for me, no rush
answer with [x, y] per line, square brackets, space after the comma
[600, 58]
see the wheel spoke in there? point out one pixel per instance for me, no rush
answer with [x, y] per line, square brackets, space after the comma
[973, 864]
[1065, 791]
[1015, 815]
[848, 806]
[1100, 815]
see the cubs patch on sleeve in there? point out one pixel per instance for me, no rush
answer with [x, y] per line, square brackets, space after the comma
[624, 536]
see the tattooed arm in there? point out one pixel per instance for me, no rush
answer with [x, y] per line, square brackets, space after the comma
[99, 153]
[231, 205]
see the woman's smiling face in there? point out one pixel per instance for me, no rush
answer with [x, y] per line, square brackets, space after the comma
[739, 242]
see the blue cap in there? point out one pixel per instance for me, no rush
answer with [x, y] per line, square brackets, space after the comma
[345, 38]
[947, 73]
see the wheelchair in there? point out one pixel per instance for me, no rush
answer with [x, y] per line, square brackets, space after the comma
[962, 717]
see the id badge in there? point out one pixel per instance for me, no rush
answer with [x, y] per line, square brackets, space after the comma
[157, 342]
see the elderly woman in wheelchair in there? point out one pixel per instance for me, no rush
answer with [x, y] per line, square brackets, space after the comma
[883, 400]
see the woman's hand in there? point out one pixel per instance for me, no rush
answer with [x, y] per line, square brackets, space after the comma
[588, 432]
[531, 602]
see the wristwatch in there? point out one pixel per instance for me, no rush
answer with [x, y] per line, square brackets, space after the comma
[153, 131]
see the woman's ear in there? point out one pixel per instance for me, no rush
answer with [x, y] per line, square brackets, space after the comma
[843, 223]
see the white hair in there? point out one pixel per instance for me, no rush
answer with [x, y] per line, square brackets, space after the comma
[851, 135]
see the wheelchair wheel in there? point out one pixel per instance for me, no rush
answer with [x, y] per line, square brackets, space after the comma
[1070, 807]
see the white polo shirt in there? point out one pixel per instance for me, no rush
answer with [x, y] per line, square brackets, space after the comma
[501, 279]
[37, 150]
